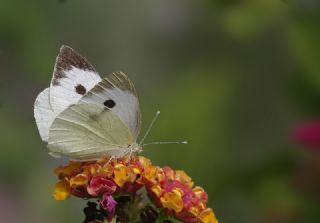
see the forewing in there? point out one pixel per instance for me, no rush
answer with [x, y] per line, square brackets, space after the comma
[118, 88]
[73, 76]
[88, 131]
[43, 114]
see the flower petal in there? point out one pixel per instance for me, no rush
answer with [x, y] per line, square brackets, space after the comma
[99, 185]
[207, 216]
[71, 169]
[172, 201]
[79, 180]
[62, 190]
[109, 204]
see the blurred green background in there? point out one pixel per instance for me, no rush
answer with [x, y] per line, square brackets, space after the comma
[233, 77]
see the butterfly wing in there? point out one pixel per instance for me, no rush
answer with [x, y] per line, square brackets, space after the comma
[88, 131]
[117, 92]
[43, 114]
[73, 76]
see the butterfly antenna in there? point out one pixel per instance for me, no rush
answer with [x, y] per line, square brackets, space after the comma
[150, 126]
[157, 143]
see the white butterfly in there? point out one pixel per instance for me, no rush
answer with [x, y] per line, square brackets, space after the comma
[84, 117]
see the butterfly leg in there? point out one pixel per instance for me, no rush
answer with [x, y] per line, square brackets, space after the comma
[131, 151]
[111, 158]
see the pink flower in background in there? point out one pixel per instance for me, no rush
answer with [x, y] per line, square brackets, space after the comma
[308, 134]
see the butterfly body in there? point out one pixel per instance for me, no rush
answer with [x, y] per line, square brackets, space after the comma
[85, 117]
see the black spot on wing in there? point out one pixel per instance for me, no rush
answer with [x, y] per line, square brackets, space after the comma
[109, 103]
[80, 89]
[67, 59]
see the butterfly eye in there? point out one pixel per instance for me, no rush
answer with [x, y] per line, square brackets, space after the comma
[80, 89]
[109, 103]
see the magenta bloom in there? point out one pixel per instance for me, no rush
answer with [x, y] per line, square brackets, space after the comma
[99, 185]
[109, 204]
[308, 134]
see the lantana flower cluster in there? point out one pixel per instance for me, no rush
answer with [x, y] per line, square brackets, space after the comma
[172, 191]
